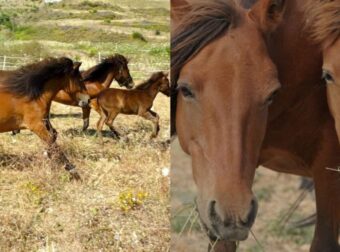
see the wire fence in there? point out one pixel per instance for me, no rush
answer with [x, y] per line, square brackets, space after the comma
[139, 70]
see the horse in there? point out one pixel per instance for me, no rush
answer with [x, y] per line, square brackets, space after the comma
[239, 101]
[223, 83]
[26, 95]
[324, 26]
[98, 78]
[138, 101]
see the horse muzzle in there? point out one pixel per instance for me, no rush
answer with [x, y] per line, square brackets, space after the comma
[229, 228]
[83, 100]
[128, 83]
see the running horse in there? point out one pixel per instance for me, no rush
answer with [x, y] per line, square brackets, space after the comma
[98, 78]
[138, 101]
[26, 95]
[247, 91]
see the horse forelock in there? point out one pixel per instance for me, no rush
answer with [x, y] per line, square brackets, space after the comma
[323, 21]
[29, 80]
[205, 22]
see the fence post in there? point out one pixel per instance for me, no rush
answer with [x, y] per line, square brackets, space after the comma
[99, 57]
[4, 63]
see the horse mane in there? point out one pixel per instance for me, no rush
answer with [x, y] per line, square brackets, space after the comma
[30, 80]
[205, 22]
[323, 20]
[146, 84]
[97, 71]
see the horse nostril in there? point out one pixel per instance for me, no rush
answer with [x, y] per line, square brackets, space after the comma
[251, 215]
[215, 218]
[212, 210]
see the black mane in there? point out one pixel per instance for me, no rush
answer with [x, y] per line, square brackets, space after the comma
[29, 80]
[94, 73]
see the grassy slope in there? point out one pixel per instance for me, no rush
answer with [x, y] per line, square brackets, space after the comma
[82, 29]
[40, 209]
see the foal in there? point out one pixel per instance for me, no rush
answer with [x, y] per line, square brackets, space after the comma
[98, 78]
[138, 101]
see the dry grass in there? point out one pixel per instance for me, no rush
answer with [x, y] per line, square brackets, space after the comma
[41, 210]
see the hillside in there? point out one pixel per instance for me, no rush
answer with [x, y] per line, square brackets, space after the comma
[86, 31]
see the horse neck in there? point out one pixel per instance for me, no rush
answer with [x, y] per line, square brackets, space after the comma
[287, 45]
[300, 110]
[109, 78]
[153, 89]
[51, 88]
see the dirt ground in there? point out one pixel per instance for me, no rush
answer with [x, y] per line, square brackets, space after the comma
[275, 192]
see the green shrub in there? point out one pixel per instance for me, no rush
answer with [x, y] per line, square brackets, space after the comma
[107, 21]
[24, 32]
[138, 36]
[6, 21]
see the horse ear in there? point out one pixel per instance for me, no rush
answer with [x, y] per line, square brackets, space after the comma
[76, 65]
[268, 14]
[178, 9]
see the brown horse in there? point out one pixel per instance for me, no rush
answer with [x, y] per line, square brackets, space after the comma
[224, 83]
[324, 24]
[26, 95]
[139, 101]
[98, 78]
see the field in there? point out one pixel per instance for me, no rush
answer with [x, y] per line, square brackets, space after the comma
[122, 203]
[276, 194]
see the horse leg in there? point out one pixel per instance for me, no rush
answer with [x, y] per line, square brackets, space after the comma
[327, 188]
[86, 117]
[41, 130]
[14, 132]
[154, 118]
[100, 124]
[109, 122]
[94, 105]
[50, 128]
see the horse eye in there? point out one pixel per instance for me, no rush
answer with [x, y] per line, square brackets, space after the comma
[186, 91]
[271, 98]
[326, 76]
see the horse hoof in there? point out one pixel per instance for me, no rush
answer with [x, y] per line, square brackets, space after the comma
[115, 136]
[14, 132]
[75, 175]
